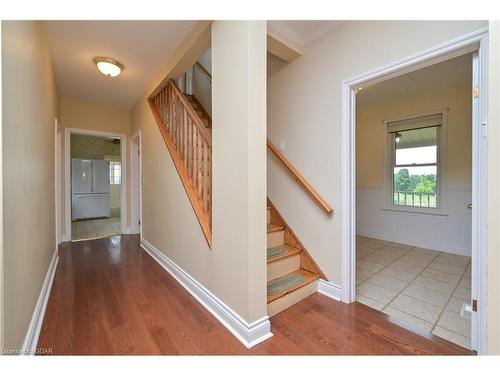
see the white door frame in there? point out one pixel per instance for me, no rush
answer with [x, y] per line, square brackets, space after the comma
[475, 41]
[67, 175]
[57, 178]
[136, 184]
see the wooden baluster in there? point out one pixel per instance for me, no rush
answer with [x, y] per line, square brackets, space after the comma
[165, 107]
[156, 103]
[160, 109]
[189, 131]
[209, 184]
[205, 179]
[198, 172]
[162, 105]
[179, 119]
[184, 132]
[176, 122]
[172, 105]
[171, 114]
[195, 139]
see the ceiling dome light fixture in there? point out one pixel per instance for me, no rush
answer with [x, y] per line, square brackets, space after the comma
[108, 66]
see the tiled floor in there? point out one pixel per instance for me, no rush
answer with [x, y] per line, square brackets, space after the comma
[423, 287]
[87, 229]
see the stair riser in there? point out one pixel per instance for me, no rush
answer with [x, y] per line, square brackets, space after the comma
[283, 266]
[269, 216]
[276, 238]
[291, 299]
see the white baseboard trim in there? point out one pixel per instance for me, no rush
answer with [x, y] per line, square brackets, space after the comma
[330, 290]
[31, 338]
[250, 334]
[419, 242]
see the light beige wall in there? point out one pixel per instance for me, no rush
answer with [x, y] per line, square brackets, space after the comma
[493, 285]
[1, 222]
[235, 269]
[371, 134]
[74, 113]
[304, 109]
[29, 109]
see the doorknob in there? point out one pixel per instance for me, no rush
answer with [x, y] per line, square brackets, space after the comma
[469, 206]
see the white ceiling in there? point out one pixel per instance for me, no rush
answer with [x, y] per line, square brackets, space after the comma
[435, 77]
[144, 47]
[303, 32]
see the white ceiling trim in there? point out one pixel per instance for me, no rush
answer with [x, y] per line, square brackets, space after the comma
[283, 28]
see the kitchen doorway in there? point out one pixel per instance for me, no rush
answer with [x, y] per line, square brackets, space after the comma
[94, 184]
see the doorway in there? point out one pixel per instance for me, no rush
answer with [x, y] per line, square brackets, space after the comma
[413, 196]
[94, 184]
[136, 184]
[475, 44]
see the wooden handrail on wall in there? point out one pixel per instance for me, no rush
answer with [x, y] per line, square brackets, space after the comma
[203, 71]
[190, 145]
[301, 180]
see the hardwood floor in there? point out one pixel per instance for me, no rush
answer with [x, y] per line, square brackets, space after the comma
[110, 297]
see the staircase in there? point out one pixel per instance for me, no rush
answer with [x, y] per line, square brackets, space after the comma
[202, 114]
[291, 273]
[186, 130]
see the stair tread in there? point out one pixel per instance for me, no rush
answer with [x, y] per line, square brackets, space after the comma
[290, 251]
[309, 278]
[274, 227]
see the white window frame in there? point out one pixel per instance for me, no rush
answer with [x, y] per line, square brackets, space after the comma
[390, 156]
[111, 163]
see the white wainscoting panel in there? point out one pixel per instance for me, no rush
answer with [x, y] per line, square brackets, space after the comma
[451, 233]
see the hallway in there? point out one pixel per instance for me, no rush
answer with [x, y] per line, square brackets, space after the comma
[110, 297]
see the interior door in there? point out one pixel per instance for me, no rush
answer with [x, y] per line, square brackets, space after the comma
[479, 185]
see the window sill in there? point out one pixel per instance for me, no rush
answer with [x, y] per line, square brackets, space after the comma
[415, 212]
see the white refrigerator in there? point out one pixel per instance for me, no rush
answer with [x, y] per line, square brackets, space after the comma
[90, 197]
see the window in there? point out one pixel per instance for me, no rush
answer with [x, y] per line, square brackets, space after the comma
[414, 169]
[115, 173]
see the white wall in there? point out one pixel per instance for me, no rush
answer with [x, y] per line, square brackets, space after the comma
[206, 60]
[304, 109]
[201, 86]
[451, 233]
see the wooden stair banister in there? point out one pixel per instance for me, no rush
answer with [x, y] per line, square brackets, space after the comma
[189, 143]
[301, 180]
